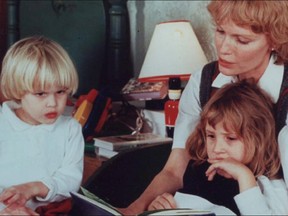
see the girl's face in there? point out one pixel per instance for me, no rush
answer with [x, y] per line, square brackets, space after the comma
[221, 144]
[241, 51]
[43, 107]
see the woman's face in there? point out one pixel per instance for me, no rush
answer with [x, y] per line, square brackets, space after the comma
[240, 51]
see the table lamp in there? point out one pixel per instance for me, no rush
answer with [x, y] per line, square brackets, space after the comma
[174, 51]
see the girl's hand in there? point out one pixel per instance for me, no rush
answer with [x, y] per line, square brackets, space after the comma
[230, 168]
[20, 194]
[164, 201]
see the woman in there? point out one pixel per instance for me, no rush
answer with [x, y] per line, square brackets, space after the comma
[251, 42]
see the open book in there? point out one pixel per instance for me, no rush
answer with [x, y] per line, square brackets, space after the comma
[89, 204]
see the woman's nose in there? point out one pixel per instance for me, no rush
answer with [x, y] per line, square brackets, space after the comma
[225, 45]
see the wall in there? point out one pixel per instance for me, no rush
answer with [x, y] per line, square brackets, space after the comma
[79, 26]
[144, 15]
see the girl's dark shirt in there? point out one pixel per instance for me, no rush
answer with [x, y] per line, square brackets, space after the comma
[220, 191]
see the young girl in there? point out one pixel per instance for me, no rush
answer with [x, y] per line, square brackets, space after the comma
[41, 151]
[234, 154]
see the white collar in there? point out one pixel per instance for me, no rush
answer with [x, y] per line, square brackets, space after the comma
[18, 124]
[270, 81]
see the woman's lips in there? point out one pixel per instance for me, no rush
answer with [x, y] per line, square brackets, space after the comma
[224, 63]
[51, 115]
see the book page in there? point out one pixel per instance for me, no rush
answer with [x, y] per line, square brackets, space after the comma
[183, 212]
[95, 198]
[196, 202]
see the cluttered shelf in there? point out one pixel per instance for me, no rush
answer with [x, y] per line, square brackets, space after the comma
[114, 119]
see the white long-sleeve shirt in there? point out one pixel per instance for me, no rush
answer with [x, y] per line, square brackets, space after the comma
[269, 197]
[50, 153]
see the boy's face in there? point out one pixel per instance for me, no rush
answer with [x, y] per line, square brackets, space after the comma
[43, 107]
[221, 144]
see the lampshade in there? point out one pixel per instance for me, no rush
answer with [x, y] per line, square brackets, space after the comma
[174, 50]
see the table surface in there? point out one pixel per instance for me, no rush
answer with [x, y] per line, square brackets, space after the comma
[91, 164]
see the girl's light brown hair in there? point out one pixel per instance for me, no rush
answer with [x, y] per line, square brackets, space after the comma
[35, 63]
[247, 111]
[268, 17]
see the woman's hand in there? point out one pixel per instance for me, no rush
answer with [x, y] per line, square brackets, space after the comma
[20, 194]
[164, 201]
[230, 168]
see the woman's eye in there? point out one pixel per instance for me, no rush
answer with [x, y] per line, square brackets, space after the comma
[244, 42]
[220, 31]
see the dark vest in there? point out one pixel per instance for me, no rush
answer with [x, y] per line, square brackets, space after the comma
[220, 191]
[210, 72]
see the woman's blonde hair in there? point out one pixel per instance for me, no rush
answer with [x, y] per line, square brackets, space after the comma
[35, 63]
[268, 17]
[247, 111]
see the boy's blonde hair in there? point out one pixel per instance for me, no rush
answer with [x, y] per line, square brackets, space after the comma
[35, 63]
[247, 111]
[268, 17]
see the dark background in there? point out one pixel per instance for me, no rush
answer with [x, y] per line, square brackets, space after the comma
[95, 33]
